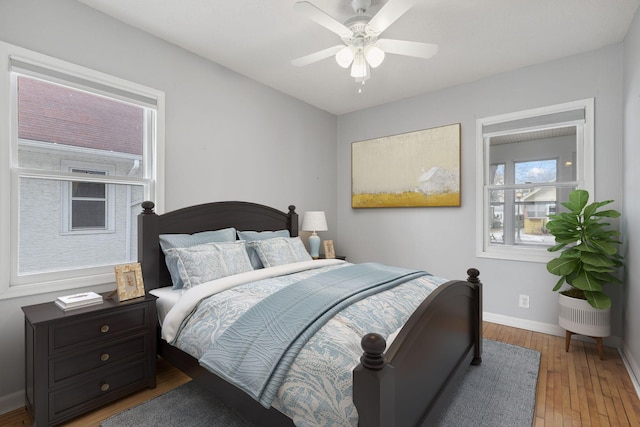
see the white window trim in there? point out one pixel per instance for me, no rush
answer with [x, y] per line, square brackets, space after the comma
[584, 173]
[54, 282]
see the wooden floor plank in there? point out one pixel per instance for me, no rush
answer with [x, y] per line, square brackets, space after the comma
[574, 389]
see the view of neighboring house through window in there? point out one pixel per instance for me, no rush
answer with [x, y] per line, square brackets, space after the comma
[531, 205]
[530, 163]
[82, 164]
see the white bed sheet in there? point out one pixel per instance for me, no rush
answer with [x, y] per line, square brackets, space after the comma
[167, 298]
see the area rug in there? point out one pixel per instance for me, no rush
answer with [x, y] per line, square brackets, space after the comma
[499, 392]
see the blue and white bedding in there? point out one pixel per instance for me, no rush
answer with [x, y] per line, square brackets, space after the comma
[316, 391]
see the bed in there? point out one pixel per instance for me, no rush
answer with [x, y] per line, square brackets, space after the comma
[406, 383]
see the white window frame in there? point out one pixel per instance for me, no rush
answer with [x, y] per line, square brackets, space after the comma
[12, 285]
[584, 172]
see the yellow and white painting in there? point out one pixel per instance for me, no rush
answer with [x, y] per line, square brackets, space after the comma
[419, 168]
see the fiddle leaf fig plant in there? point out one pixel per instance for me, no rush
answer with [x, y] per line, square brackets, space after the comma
[589, 248]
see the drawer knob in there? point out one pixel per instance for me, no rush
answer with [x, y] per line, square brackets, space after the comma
[104, 387]
[104, 329]
[104, 357]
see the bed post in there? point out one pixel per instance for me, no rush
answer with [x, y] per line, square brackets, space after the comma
[293, 221]
[477, 315]
[373, 385]
[148, 254]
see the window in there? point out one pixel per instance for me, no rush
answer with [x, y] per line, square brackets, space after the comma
[528, 162]
[88, 207]
[88, 210]
[84, 152]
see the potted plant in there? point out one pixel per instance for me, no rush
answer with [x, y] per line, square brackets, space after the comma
[589, 257]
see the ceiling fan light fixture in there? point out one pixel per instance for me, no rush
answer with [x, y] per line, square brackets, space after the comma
[360, 67]
[374, 55]
[362, 48]
[345, 56]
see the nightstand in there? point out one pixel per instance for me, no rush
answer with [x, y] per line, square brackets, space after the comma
[80, 359]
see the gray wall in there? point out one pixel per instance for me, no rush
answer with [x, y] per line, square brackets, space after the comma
[227, 137]
[631, 191]
[442, 240]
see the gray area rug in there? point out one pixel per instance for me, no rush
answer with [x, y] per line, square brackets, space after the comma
[499, 392]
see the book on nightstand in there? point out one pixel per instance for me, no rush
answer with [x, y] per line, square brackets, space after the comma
[83, 299]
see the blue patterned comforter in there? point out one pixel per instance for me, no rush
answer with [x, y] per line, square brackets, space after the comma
[316, 391]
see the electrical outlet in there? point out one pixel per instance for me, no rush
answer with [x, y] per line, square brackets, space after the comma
[523, 302]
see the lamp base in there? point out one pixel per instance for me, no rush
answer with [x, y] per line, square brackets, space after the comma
[314, 246]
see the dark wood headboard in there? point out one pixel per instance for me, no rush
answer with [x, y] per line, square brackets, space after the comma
[243, 216]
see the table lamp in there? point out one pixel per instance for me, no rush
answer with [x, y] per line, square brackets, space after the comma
[314, 221]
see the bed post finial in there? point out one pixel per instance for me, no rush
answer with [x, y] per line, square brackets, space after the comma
[373, 357]
[147, 207]
[473, 274]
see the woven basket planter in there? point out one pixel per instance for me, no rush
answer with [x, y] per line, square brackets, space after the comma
[577, 316]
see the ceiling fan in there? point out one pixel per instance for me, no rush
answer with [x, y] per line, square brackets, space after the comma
[362, 46]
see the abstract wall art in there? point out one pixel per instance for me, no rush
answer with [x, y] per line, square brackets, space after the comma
[414, 169]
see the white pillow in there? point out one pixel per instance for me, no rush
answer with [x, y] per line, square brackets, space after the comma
[210, 261]
[280, 251]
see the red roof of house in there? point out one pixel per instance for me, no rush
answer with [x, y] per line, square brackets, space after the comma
[51, 113]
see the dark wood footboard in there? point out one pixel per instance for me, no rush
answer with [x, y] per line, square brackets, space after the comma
[413, 382]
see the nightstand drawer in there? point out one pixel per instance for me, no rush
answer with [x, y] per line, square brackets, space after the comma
[116, 382]
[62, 368]
[67, 334]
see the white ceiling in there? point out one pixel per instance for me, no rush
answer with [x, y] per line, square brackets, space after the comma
[477, 38]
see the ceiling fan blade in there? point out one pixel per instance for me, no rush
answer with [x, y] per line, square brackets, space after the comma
[403, 47]
[317, 15]
[317, 56]
[391, 11]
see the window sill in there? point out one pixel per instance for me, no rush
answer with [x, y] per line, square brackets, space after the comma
[513, 254]
[20, 291]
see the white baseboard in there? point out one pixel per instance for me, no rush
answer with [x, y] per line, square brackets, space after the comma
[11, 402]
[632, 367]
[545, 328]
[529, 325]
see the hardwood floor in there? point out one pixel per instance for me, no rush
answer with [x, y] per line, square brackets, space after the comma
[574, 388]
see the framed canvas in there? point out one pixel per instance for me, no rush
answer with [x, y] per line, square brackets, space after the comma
[413, 169]
[329, 251]
[129, 281]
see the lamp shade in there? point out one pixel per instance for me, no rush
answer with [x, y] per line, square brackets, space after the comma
[359, 67]
[344, 57]
[314, 221]
[374, 55]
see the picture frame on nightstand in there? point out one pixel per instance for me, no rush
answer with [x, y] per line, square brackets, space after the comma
[129, 281]
[329, 251]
